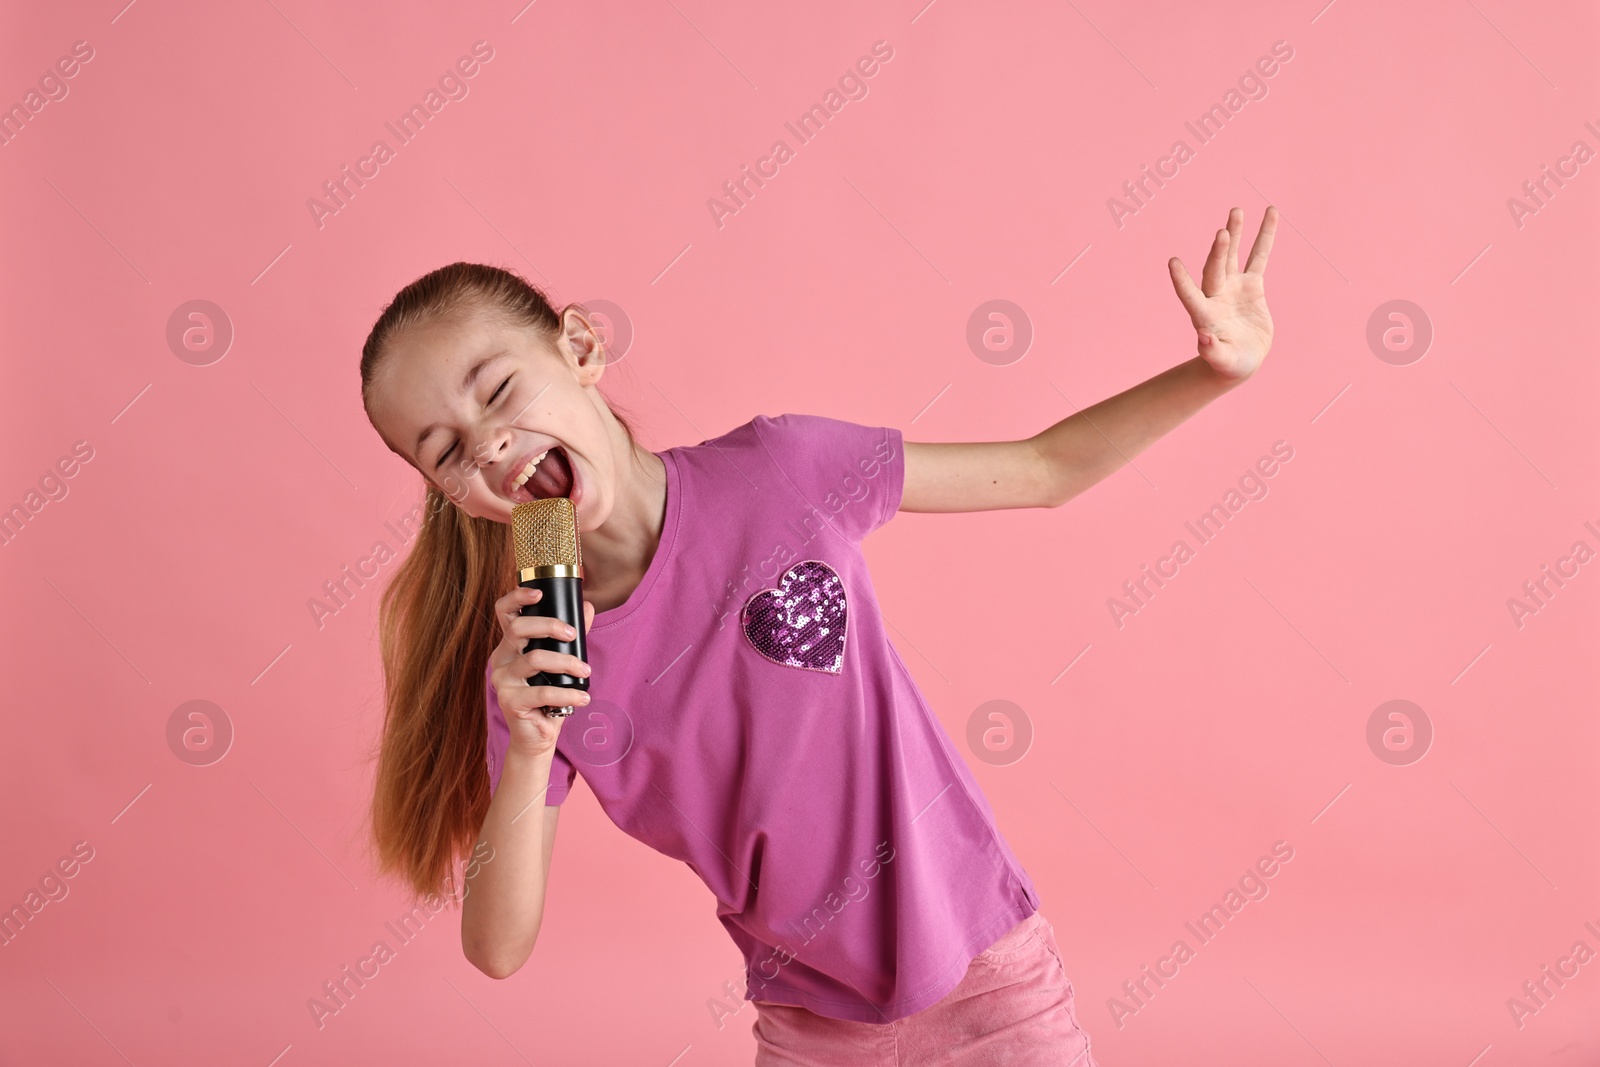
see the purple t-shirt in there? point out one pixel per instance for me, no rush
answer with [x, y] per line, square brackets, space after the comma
[751, 718]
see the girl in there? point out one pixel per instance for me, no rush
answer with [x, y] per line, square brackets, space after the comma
[747, 713]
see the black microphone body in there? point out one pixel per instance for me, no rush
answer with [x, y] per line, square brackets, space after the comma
[549, 557]
[562, 599]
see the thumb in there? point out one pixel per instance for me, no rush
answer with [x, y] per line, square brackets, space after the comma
[588, 614]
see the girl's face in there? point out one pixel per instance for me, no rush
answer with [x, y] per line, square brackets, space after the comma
[471, 402]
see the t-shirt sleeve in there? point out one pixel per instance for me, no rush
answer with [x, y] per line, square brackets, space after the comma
[853, 475]
[561, 770]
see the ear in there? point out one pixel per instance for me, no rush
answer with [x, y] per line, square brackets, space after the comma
[581, 340]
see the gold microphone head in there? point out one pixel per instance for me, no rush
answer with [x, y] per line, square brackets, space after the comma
[544, 537]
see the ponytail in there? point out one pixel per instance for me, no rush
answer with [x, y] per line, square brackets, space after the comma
[436, 630]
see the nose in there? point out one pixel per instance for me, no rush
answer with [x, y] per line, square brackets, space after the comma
[488, 449]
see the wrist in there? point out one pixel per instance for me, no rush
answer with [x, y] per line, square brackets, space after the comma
[1219, 380]
[520, 759]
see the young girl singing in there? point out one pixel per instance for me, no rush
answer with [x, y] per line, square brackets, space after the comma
[746, 713]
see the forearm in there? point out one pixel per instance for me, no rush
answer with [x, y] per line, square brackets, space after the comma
[504, 902]
[1083, 448]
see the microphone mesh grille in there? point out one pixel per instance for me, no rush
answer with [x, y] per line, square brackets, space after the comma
[545, 533]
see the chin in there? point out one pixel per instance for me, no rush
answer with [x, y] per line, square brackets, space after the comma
[496, 510]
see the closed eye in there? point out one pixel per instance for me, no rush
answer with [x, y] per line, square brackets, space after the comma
[446, 453]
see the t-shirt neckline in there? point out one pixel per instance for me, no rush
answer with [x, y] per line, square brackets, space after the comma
[658, 561]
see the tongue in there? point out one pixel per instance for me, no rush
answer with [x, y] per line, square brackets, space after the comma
[554, 476]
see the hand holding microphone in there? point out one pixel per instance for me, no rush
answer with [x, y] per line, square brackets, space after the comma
[533, 729]
[549, 559]
[542, 632]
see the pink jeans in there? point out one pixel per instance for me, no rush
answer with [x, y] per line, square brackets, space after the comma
[1014, 1007]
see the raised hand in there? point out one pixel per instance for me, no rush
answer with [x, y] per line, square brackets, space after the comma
[1229, 306]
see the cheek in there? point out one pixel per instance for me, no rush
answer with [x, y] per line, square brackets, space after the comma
[453, 488]
[460, 483]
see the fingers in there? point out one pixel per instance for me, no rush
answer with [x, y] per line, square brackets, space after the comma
[1263, 244]
[508, 608]
[526, 626]
[588, 615]
[512, 688]
[1235, 226]
[513, 691]
[1215, 269]
[512, 622]
[1188, 292]
[528, 720]
[552, 662]
[554, 696]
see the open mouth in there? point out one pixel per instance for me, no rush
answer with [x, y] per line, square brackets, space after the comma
[551, 476]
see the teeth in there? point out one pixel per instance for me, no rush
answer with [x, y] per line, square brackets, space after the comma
[527, 472]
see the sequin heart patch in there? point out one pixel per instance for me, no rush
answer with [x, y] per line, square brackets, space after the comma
[800, 623]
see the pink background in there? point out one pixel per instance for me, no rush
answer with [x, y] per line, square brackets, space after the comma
[1228, 714]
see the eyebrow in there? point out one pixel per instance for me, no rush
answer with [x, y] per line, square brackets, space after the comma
[466, 384]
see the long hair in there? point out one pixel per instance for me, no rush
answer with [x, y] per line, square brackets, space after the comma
[436, 624]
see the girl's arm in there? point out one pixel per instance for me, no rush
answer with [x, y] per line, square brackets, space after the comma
[502, 904]
[1229, 314]
[504, 900]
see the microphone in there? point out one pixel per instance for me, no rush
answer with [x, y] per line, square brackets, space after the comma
[544, 535]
